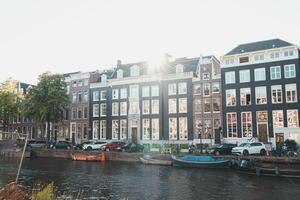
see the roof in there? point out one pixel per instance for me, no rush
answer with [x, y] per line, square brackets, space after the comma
[126, 68]
[190, 64]
[259, 46]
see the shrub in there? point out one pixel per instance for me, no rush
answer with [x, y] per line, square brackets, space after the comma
[291, 144]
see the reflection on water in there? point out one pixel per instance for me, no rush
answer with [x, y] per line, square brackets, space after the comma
[117, 180]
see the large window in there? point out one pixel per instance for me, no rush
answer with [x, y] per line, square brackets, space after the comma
[291, 93]
[155, 106]
[206, 89]
[288, 53]
[230, 97]
[134, 107]
[173, 128]
[261, 95]
[245, 94]
[292, 118]
[102, 129]
[197, 89]
[80, 98]
[79, 112]
[231, 125]
[115, 129]
[123, 93]
[145, 91]
[182, 88]
[95, 129]
[172, 89]
[95, 95]
[115, 93]
[74, 113]
[123, 108]
[103, 95]
[134, 91]
[260, 74]
[154, 90]
[207, 105]
[115, 109]
[146, 107]
[74, 97]
[155, 128]
[289, 71]
[172, 106]
[146, 129]
[244, 76]
[103, 109]
[247, 124]
[123, 129]
[85, 112]
[183, 129]
[85, 96]
[217, 105]
[95, 110]
[230, 77]
[275, 72]
[182, 105]
[215, 87]
[276, 93]
[278, 119]
[197, 105]
[259, 57]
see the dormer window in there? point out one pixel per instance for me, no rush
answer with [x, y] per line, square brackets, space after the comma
[120, 73]
[103, 78]
[274, 55]
[259, 57]
[134, 71]
[288, 53]
[229, 61]
[244, 59]
[179, 69]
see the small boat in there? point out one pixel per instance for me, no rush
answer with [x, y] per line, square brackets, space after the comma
[151, 161]
[199, 161]
[82, 156]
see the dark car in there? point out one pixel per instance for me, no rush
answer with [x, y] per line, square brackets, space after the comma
[113, 146]
[36, 144]
[61, 145]
[132, 147]
[223, 149]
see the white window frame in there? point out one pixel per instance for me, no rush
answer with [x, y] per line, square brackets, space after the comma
[103, 129]
[102, 106]
[123, 93]
[260, 74]
[153, 101]
[233, 134]
[102, 93]
[146, 129]
[288, 118]
[145, 91]
[259, 96]
[247, 128]
[134, 91]
[183, 129]
[123, 112]
[275, 72]
[96, 110]
[232, 91]
[230, 77]
[154, 90]
[182, 103]
[115, 108]
[277, 89]
[155, 130]
[209, 89]
[172, 102]
[206, 76]
[288, 73]
[290, 88]
[172, 89]
[243, 95]
[244, 76]
[146, 107]
[276, 123]
[115, 94]
[182, 88]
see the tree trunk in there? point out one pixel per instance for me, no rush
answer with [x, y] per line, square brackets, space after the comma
[48, 131]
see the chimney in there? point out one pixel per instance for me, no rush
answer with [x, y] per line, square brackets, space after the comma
[119, 62]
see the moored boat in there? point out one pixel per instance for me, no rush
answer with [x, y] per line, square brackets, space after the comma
[151, 161]
[82, 156]
[199, 161]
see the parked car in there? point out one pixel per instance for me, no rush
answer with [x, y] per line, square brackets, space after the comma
[61, 145]
[132, 147]
[80, 146]
[223, 149]
[36, 144]
[250, 149]
[93, 145]
[113, 146]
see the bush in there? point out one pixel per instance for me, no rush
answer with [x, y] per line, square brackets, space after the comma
[184, 146]
[156, 146]
[291, 144]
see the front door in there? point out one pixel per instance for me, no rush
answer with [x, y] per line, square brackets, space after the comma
[134, 135]
[217, 136]
[279, 139]
[73, 132]
[263, 133]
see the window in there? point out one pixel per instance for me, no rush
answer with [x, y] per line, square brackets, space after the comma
[95, 129]
[103, 109]
[155, 106]
[230, 97]
[291, 93]
[134, 107]
[288, 53]
[74, 97]
[123, 92]
[134, 71]
[79, 112]
[123, 129]
[103, 78]
[182, 88]
[134, 91]
[155, 128]
[74, 113]
[231, 124]
[197, 89]
[244, 59]
[229, 77]
[182, 105]
[260, 57]
[207, 105]
[246, 124]
[120, 73]
[102, 129]
[146, 129]
[216, 105]
[229, 61]
[278, 118]
[179, 69]
[86, 96]
[172, 106]
[146, 107]
[145, 91]
[80, 83]
[207, 129]
[276, 93]
[206, 89]
[74, 84]
[115, 109]
[215, 87]
[217, 123]
[183, 131]
[197, 105]
[80, 97]
[245, 94]
[205, 76]
[275, 73]
[274, 55]
[154, 90]
[260, 74]
[172, 89]
[85, 112]
[123, 108]
[95, 95]
[261, 95]
[173, 128]
[115, 94]
[244, 76]
[103, 95]
[95, 110]
[289, 71]
[292, 118]
[115, 129]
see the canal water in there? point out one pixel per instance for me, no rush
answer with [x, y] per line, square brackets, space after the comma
[119, 180]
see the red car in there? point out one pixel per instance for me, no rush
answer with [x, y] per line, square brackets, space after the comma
[113, 146]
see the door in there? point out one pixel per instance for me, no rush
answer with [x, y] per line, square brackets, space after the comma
[263, 133]
[279, 140]
[134, 135]
[217, 136]
[73, 132]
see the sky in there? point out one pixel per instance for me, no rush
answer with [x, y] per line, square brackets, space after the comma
[64, 36]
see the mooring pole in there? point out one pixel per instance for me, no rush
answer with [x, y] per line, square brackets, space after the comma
[22, 157]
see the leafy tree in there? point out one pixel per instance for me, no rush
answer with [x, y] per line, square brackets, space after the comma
[46, 101]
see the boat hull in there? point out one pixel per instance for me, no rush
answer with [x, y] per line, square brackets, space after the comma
[155, 162]
[196, 164]
[87, 157]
